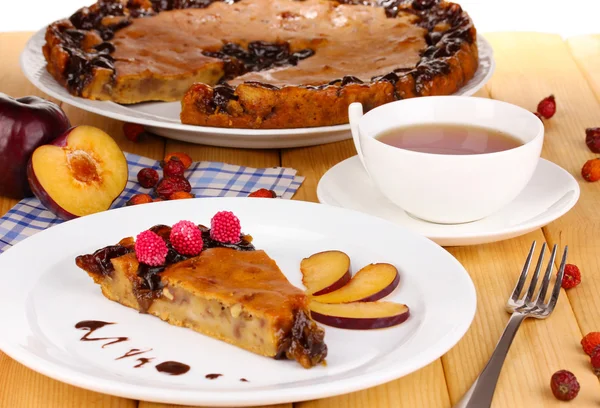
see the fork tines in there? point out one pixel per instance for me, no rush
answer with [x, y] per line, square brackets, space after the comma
[538, 307]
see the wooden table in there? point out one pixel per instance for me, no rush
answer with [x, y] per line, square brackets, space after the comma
[529, 67]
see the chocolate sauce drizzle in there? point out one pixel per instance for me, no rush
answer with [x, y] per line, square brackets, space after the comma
[91, 326]
[98, 23]
[213, 376]
[172, 368]
[168, 367]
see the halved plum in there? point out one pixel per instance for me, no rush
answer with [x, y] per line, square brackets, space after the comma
[325, 272]
[82, 172]
[360, 315]
[371, 283]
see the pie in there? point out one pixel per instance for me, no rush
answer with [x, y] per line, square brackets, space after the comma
[263, 63]
[232, 292]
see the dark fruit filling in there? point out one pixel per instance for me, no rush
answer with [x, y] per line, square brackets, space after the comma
[259, 56]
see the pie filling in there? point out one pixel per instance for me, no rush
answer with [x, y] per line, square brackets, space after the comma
[234, 293]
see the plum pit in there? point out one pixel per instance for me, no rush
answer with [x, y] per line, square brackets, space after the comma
[83, 166]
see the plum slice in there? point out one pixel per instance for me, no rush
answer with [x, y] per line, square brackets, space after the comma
[82, 172]
[325, 272]
[359, 315]
[371, 283]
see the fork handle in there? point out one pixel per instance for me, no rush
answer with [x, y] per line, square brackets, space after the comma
[482, 391]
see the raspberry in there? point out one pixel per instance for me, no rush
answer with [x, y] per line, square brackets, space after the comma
[225, 227]
[181, 195]
[564, 385]
[572, 276]
[591, 170]
[173, 168]
[263, 193]
[133, 131]
[185, 159]
[596, 361]
[547, 107]
[150, 249]
[170, 185]
[590, 341]
[147, 177]
[592, 139]
[186, 238]
[139, 199]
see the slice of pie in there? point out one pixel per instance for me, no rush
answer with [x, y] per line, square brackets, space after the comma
[263, 63]
[231, 292]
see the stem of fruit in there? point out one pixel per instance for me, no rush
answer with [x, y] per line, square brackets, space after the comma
[482, 391]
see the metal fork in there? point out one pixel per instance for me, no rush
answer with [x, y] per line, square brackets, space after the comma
[482, 391]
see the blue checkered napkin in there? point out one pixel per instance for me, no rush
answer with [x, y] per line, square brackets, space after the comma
[208, 179]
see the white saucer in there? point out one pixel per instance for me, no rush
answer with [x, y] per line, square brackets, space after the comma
[551, 192]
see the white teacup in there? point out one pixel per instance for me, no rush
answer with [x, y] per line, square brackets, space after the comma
[448, 189]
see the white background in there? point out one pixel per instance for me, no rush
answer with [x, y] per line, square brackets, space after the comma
[564, 17]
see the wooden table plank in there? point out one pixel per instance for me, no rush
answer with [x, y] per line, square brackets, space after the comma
[586, 52]
[20, 386]
[547, 63]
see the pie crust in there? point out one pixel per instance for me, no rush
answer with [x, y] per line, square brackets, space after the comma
[263, 63]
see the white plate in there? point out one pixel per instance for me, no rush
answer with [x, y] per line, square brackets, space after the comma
[551, 192]
[48, 295]
[162, 118]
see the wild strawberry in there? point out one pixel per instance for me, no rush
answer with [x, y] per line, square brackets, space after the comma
[180, 195]
[139, 199]
[547, 107]
[564, 385]
[225, 227]
[147, 177]
[263, 193]
[595, 360]
[150, 249]
[170, 185]
[173, 168]
[591, 170]
[185, 159]
[186, 238]
[592, 139]
[133, 131]
[572, 276]
[590, 341]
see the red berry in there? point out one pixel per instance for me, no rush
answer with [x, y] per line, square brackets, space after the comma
[139, 199]
[133, 131]
[173, 168]
[538, 115]
[150, 249]
[564, 385]
[264, 193]
[181, 195]
[572, 276]
[595, 360]
[186, 238]
[147, 177]
[590, 341]
[592, 139]
[591, 170]
[547, 107]
[185, 159]
[225, 227]
[170, 185]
